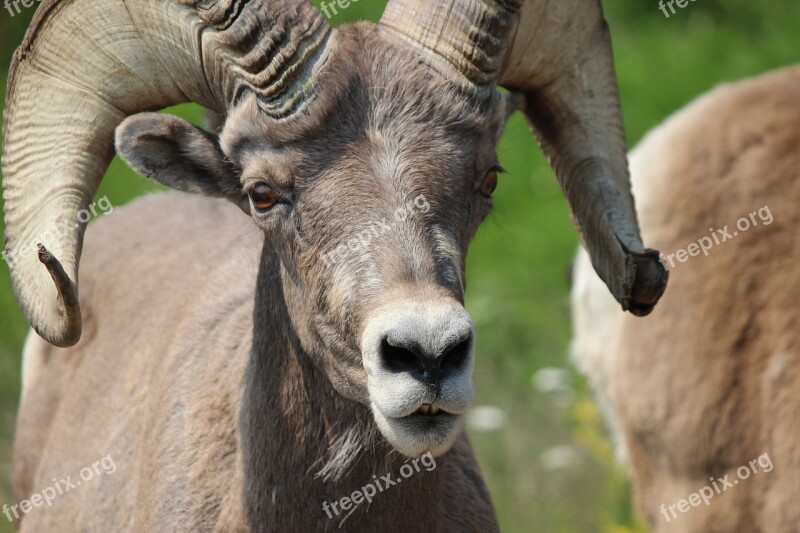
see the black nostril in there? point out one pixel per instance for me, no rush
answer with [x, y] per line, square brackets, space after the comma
[399, 358]
[454, 357]
[404, 355]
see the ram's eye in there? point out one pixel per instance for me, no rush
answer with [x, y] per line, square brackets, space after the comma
[263, 197]
[489, 184]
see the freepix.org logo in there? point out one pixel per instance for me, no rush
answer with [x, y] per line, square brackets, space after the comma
[48, 495]
[378, 485]
[59, 230]
[13, 6]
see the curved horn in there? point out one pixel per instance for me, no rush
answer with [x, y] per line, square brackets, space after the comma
[466, 40]
[84, 66]
[558, 55]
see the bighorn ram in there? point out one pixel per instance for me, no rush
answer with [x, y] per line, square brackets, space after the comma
[238, 380]
[708, 385]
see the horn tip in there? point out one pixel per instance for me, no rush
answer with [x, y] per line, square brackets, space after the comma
[68, 333]
[650, 281]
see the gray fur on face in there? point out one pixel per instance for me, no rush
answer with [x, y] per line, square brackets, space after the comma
[402, 138]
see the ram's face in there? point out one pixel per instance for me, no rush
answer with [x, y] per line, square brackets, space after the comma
[372, 212]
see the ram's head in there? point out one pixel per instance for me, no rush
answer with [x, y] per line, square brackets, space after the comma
[365, 154]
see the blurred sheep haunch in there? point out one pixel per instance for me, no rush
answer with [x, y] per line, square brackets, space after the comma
[719, 381]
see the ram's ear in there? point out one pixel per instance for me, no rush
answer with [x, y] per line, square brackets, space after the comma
[180, 155]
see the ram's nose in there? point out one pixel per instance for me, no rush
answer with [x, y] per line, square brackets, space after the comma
[426, 349]
[420, 343]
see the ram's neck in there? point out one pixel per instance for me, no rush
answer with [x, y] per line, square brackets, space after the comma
[303, 444]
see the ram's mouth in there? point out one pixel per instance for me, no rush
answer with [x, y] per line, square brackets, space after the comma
[429, 418]
[427, 429]
[427, 409]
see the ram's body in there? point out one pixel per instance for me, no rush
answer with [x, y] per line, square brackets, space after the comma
[166, 408]
[711, 381]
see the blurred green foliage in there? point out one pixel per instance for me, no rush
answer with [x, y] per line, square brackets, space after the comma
[517, 266]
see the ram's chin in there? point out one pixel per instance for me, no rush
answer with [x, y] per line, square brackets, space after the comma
[417, 434]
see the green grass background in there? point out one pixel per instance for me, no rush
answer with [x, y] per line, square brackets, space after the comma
[517, 266]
